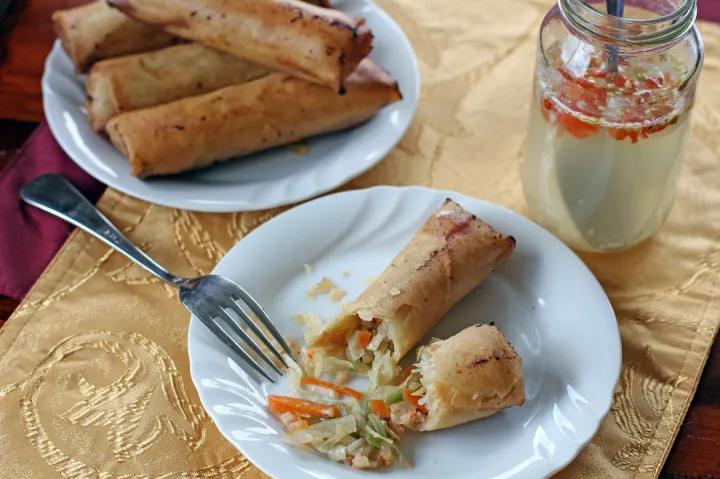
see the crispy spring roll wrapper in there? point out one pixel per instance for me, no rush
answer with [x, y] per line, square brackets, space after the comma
[469, 376]
[314, 43]
[149, 79]
[95, 31]
[237, 120]
[451, 254]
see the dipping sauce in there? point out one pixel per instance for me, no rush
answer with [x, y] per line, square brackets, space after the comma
[605, 145]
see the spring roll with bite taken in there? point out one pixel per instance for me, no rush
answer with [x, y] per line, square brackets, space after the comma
[451, 254]
[469, 376]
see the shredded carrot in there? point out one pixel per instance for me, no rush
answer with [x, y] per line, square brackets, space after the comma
[407, 373]
[414, 400]
[310, 353]
[379, 407]
[342, 390]
[281, 404]
[337, 336]
[365, 337]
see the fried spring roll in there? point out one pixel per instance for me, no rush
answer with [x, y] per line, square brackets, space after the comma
[451, 254]
[95, 31]
[237, 120]
[469, 376]
[314, 43]
[149, 79]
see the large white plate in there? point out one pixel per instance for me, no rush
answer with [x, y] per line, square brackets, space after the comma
[543, 298]
[264, 180]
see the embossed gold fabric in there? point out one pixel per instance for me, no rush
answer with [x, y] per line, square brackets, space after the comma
[95, 380]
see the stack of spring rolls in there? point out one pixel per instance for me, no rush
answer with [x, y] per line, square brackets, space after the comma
[178, 86]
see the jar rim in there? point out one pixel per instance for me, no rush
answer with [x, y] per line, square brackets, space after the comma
[665, 28]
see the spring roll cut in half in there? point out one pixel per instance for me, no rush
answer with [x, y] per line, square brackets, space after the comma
[469, 376]
[237, 120]
[153, 78]
[451, 254]
[95, 31]
[314, 43]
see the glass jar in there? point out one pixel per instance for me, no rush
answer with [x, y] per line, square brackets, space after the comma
[609, 119]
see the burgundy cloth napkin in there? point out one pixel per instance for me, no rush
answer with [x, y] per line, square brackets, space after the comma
[709, 10]
[29, 238]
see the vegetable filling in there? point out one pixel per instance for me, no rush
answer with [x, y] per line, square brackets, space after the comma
[371, 348]
[407, 403]
[345, 432]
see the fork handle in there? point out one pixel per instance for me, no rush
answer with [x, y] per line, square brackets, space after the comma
[54, 194]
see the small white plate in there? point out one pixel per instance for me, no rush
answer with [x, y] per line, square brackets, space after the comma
[543, 298]
[264, 180]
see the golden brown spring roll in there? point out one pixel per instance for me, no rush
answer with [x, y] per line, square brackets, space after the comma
[149, 79]
[237, 120]
[451, 254]
[314, 43]
[95, 31]
[469, 376]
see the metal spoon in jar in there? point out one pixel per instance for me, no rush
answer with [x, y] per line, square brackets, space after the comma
[616, 9]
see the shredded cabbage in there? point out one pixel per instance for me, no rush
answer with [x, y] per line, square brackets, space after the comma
[356, 445]
[412, 382]
[323, 391]
[376, 340]
[353, 406]
[324, 364]
[383, 371]
[383, 392]
[332, 364]
[295, 374]
[377, 424]
[354, 349]
[318, 360]
[325, 434]
[313, 325]
[337, 453]
[373, 437]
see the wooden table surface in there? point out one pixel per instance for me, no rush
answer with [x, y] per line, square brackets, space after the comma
[28, 37]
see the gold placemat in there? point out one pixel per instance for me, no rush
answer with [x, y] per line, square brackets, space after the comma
[95, 379]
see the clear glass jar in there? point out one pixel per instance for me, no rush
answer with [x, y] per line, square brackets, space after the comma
[609, 119]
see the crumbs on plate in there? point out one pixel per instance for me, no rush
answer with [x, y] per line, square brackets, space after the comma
[323, 287]
[337, 294]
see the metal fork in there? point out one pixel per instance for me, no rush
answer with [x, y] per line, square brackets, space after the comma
[213, 299]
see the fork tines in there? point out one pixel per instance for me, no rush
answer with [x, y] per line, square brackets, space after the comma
[223, 315]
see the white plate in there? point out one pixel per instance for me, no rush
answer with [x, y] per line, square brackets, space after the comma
[543, 298]
[264, 180]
